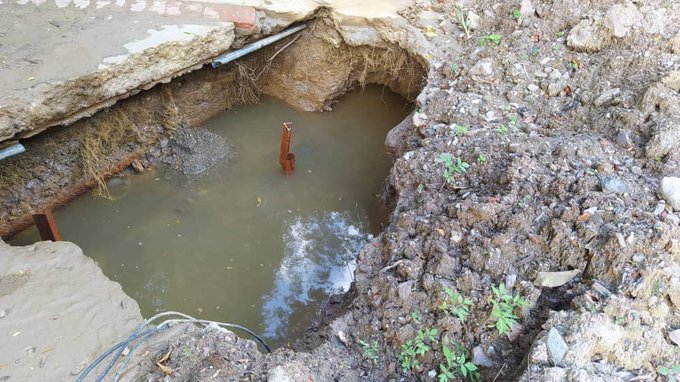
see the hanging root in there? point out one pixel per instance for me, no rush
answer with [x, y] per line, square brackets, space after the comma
[105, 132]
[171, 119]
[247, 91]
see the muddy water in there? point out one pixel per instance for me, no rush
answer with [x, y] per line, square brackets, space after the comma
[244, 243]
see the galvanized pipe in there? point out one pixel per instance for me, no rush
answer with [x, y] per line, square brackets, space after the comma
[12, 150]
[231, 56]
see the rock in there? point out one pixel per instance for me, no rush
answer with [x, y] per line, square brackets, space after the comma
[669, 190]
[665, 140]
[621, 17]
[607, 97]
[404, 290]
[555, 88]
[482, 69]
[138, 166]
[533, 88]
[278, 374]
[396, 140]
[672, 80]
[675, 336]
[557, 348]
[473, 20]
[526, 9]
[613, 185]
[555, 279]
[480, 358]
[588, 36]
[623, 138]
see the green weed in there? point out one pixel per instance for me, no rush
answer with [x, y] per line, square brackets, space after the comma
[490, 40]
[504, 305]
[456, 365]
[669, 373]
[418, 347]
[455, 304]
[516, 14]
[370, 351]
[452, 167]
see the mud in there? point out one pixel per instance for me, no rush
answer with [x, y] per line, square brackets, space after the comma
[570, 124]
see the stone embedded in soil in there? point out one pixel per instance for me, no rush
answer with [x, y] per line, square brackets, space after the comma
[557, 348]
[672, 80]
[588, 36]
[607, 97]
[613, 185]
[669, 190]
[480, 358]
[620, 18]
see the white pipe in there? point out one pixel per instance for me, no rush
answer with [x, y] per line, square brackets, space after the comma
[231, 56]
[12, 150]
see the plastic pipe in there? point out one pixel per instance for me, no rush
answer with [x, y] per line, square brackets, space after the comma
[231, 56]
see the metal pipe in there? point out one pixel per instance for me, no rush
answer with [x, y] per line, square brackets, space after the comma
[12, 150]
[231, 56]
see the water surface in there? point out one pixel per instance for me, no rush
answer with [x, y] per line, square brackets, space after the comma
[245, 243]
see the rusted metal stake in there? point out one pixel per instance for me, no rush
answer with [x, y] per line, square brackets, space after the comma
[47, 226]
[289, 166]
[286, 158]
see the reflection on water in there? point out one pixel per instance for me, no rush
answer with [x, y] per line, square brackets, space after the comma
[244, 243]
[319, 255]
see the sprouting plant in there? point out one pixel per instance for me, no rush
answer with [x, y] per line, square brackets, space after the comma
[456, 364]
[461, 129]
[490, 40]
[560, 34]
[591, 171]
[455, 304]
[451, 167]
[420, 187]
[516, 14]
[525, 200]
[186, 351]
[416, 316]
[669, 373]
[619, 320]
[502, 129]
[463, 21]
[418, 347]
[503, 306]
[481, 158]
[370, 351]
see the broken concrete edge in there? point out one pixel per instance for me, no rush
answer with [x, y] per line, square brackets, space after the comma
[51, 105]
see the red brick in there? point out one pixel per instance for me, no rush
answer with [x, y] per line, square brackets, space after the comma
[242, 16]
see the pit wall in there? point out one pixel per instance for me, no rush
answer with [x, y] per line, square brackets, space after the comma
[325, 61]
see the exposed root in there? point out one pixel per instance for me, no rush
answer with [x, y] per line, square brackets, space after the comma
[171, 118]
[105, 132]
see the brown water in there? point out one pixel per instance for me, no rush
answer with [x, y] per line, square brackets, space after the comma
[244, 243]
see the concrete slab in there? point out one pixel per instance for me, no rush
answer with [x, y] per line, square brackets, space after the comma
[61, 60]
[58, 312]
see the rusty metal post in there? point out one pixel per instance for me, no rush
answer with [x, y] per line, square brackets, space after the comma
[289, 166]
[286, 158]
[47, 226]
[286, 135]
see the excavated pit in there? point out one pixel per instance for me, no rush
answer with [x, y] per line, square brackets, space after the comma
[309, 74]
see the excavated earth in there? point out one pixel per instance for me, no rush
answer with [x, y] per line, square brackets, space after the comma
[568, 114]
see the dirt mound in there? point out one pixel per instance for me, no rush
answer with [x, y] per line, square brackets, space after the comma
[193, 151]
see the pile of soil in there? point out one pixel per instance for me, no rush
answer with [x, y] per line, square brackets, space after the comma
[193, 151]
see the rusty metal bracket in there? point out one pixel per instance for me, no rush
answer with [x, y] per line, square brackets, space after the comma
[47, 226]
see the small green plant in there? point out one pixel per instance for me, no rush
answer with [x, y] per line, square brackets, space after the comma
[420, 187]
[461, 130]
[504, 305]
[669, 373]
[560, 34]
[525, 200]
[619, 320]
[456, 364]
[370, 351]
[591, 171]
[502, 129]
[455, 304]
[516, 14]
[451, 167]
[490, 40]
[416, 316]
[463, 21]
[481, 158]
[418, 347]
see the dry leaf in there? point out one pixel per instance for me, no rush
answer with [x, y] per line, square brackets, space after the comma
[165, 369]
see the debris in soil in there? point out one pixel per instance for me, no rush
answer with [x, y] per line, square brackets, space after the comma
[193, 151]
